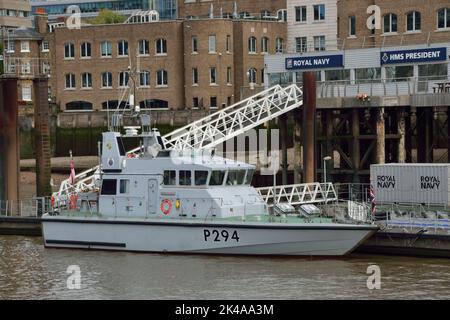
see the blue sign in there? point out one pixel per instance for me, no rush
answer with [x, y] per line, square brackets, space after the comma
[318, 62]
[414, 56]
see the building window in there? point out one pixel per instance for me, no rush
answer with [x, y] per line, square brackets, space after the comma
[161, 78]
[300, 14]
[107, 80]
[124, 186]
[161, 46]
[26, 93]
[143, 47]
[352, 26]
[105, 49]
[399, 73]
[26, 67]
[282, 15]
[262, 75]
[213, 102]
[195, 102]
[85, 50]
[228, 43]
[122, 48]
[367, 75]
[194, 44]
[319, 43]
[194, 76]
[443, 18]
[264, 45]
[124, 77]
[413, 21]
[11, 66]
[11, 46]
[46, 68]
[251, 75]
[212, 44]
[69, 51]
[300, 44]
[212, 75]
[144, 79]
[390, 23]
[24, 46]
[86, 80]
[279, 45]
[252, 45]
[319, 12]
[229, 75]
[45, 46]
[265, 14]
[70, 81]
[170, 177]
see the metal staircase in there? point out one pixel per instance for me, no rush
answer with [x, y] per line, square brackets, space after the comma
[213, 129]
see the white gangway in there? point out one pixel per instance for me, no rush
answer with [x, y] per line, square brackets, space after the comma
[212, 130]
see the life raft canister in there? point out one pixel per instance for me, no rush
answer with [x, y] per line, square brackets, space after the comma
[166, 206]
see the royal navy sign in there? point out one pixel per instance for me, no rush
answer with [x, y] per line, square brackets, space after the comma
[413, 56]
[317, 62]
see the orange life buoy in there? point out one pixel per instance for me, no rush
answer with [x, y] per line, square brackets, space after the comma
[166, 206]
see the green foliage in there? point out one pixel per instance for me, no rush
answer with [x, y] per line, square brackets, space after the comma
[107, 17]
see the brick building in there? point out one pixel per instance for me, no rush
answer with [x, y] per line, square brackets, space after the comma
[15, 13]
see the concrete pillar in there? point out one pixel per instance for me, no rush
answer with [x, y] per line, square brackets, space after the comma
[381, 136]
[283, 137]
[42, 137]
[309, 123]
[328, 118]
[356, 152]
[401, 132]
[9, 140]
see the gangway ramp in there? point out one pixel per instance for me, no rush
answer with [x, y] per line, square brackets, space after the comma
[298, 194]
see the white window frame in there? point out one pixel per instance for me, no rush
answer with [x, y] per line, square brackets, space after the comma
[109, 80]
[161, 47]
[147, 79]
[123, 78]
[86, 80]
[264, 45]
[71, 51]
[194, 76]
[303, 44]
[72, 81]
[319, 7]
[351, 23]
[446, 14]
[45, 46]
[26, 93]
[252, 45]
[126, 52]
[143, 47]
[212, 46]
[108, 49]
[212, 76]
[25, 46]
[164, 77]
[299, 17]
[84, 50]
[390, 17]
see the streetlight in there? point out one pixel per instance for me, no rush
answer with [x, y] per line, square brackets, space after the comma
[325, 159]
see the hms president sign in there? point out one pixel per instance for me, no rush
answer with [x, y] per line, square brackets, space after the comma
[317, 62]
[412, 56]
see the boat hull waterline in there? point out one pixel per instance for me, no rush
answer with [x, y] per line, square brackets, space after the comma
[212, 237]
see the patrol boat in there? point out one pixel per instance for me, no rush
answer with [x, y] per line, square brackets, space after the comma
[185, 201]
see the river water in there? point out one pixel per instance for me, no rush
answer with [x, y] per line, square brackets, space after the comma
[29, 271]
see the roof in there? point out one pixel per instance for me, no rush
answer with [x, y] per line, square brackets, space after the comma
[24, 34]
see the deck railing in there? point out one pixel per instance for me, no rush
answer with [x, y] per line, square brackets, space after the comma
[33, 208]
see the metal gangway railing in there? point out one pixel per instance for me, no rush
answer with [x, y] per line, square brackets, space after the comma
[297, 194]
[32, 208]
[212, 130]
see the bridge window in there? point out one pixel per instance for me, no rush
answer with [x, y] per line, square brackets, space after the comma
[217, 178]
[109, 187]
[249, 176]
[170, 177]
[201, 177]
[124, 186]
[79, 105]
[185, 178]
[235, 177]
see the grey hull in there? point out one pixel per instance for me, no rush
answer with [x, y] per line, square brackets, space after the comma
[178, 236]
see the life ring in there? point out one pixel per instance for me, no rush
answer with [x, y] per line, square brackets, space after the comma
[166, 206]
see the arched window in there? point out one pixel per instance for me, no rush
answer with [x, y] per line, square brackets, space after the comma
[144, 79]
[79, 105]
[107, 80]
[161, 78]
[86, 80]
[279, 45]
[264, 45]
[86, 50]
[161, 46]
[443, 18]
[252, 45]
[122, 48]
[70, 81]
[390, 23]
[143, 47]
[154, 104]
[69, 51]
[105, 49]
[251, 75]
[124, 77]
[114, 104]
[413, 21]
